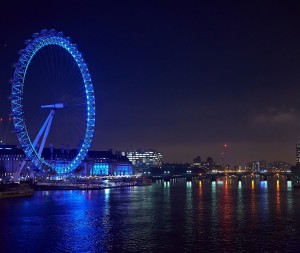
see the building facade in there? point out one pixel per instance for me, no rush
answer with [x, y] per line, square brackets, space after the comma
[279, 166]
[142, 159]
[298, 153]
[105, 163]
[11, 159]
[97, 163]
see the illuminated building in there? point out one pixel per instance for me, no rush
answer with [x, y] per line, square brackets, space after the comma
[106, 163]
[263, 165]
[144, 158]
[279, 166]
[298, 153]
[97, 163]
[205, 166]
[11, 158]
[256, 166]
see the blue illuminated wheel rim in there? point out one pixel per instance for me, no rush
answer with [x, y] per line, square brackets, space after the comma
[40, 40]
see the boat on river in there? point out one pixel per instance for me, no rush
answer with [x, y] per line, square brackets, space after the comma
[14, 190]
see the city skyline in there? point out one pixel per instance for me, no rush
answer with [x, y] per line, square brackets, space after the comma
[184, 80]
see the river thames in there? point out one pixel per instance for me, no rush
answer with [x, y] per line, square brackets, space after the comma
[176, 216]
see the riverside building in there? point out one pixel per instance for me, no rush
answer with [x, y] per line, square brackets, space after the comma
[144, 159]
[298, 153]
[97, 163]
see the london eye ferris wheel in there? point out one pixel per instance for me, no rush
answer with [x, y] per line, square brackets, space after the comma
[52, 100]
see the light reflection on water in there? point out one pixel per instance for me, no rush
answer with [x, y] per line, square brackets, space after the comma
[228, 215]
[278, 203]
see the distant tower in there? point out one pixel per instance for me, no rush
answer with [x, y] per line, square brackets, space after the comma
[298, 153]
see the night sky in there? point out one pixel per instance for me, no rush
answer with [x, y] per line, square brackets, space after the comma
[181, 77]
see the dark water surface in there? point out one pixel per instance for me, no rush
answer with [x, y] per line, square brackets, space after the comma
[180, 216]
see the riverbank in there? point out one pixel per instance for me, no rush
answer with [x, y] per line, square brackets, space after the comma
[15, 190]
[91, 184]
[80, 186]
